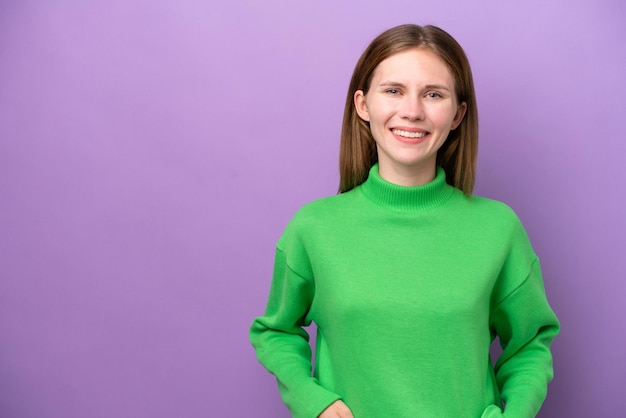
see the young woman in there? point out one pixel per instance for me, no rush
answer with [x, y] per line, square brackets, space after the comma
[408, 277]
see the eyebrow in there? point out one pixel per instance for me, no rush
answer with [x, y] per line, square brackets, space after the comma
[426, 87]
[391, 84]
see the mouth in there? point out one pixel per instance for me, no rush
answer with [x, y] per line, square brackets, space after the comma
[411, 137]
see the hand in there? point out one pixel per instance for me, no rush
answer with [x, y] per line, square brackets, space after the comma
[492, 411]
[336, 409]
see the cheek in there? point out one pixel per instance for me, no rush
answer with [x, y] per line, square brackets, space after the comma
[444, 118]
[380, 113]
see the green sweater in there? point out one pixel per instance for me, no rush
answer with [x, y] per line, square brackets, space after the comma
[408, 287]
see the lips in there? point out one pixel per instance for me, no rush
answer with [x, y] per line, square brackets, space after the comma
[409, 136]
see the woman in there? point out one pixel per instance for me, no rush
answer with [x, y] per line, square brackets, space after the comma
[408, 277]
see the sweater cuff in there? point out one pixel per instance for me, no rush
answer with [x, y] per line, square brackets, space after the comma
[492, 411]
[307, 400]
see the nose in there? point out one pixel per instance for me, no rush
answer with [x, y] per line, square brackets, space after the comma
[412, 108]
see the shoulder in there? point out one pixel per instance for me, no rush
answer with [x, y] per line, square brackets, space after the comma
[325, 209]
[320, 213]
[497, 223]
[489, 214]
[492, 207]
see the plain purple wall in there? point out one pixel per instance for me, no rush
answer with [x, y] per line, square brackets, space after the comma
[151, 152]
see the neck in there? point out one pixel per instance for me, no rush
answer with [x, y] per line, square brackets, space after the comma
[401, 198]
[407, 176]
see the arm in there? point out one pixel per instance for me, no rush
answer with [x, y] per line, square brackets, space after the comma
[282, 344]
[526, 326]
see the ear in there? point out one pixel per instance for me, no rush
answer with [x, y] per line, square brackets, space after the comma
[361, 105]
[460, 114]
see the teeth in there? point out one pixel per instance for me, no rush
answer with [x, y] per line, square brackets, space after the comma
[408, 134]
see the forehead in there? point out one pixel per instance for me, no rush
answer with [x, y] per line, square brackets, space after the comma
[413, 66]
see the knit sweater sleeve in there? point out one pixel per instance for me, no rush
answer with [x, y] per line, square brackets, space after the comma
[279, 338]
[526, 326]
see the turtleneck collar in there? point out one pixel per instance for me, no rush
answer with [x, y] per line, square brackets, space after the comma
[414, 198]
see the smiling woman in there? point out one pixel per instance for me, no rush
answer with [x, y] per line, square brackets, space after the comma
[411, 108]
[459, 152]
[408, 277]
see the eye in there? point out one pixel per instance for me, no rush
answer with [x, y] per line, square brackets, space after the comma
[392, 91]
[434, 95]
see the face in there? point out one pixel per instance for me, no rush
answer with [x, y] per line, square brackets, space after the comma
[411, 107]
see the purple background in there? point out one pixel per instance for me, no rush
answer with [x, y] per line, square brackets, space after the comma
[151, 152]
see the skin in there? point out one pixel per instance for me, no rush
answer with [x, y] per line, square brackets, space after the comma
[411, 91]
[337, 409]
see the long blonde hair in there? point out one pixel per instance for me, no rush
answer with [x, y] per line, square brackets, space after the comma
[458, 154]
